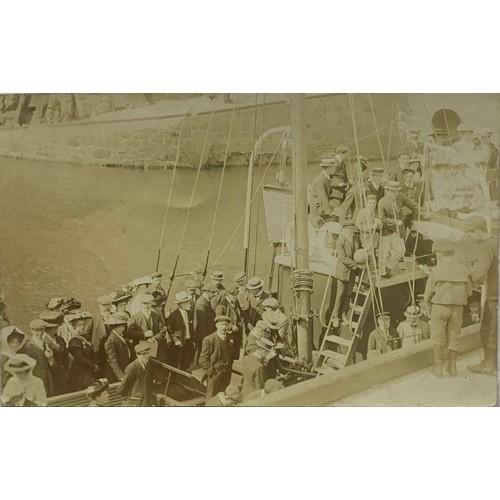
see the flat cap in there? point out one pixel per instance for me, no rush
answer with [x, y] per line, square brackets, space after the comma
[38, 324]
[142, 347]
[239, 276]
[218, 319]
[393, 186]
[210, 287]
[474, 222]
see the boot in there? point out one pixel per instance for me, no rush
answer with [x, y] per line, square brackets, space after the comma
[437, 369]
[452, 363]
[446, 361]
[487, 366]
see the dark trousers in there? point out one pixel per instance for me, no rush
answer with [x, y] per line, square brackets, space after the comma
[489, 325]
[218, 383]
[343, 296]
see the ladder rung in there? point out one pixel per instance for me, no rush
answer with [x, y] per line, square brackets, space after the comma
[333, 355]
[357, 308]
[339, 340]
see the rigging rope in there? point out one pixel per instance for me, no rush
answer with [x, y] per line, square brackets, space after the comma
[258, 199]
[219, 194]
[257, 191]
[183, 234]
[377, 131]
[177, 155]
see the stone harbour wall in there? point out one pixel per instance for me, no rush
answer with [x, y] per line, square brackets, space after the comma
[151, 142]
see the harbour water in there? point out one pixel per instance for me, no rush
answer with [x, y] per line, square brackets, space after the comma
[69, 230]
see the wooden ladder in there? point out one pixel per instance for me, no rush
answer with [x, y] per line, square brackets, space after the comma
[338, 349]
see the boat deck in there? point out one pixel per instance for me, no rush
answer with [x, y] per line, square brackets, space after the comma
[421, 388]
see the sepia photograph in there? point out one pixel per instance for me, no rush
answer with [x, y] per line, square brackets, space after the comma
[249, 249]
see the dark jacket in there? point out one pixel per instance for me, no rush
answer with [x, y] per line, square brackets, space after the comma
[82, 372]
[204, 317]
[216, 355]
[389, 217]
[42, 367]
[136, 384]
[118, 357]
[254, 374]
[177, 327]
[138, 324]
[254, 307]
[345, 252]
[321, 191]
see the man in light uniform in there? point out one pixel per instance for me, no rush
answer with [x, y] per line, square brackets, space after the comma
[484, 270]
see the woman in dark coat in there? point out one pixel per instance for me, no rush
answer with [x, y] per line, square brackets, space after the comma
[84, 368]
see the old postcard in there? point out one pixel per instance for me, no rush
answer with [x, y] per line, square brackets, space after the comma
[249, 249]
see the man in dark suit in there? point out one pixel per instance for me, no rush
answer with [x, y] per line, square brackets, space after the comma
[230, 306]
[216, 358]
[204, 316]
[136, 384]
[321, 191]
[180, 325]
[37, 349]
[146, 319]
[254, 309]
[149, 324]
[97, 326]
[345, 270]
[119, 350]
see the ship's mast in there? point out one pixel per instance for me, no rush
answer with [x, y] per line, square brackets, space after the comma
[301, 287]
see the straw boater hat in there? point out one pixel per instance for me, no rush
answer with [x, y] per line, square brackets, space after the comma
[255, 283]
[181, 297]
[97, 388]
[19, 363]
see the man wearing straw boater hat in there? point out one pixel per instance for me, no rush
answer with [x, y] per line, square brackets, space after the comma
[98, 393]
[118, 348]
[253, 308]
[216, 357]
[23, 388]
[136, 384]
[180, 324]
[390, 214]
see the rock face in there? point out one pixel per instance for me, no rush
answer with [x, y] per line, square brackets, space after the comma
[141, 130]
